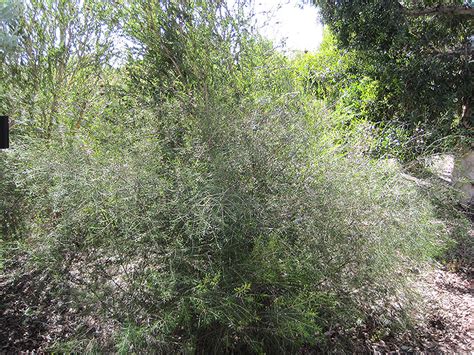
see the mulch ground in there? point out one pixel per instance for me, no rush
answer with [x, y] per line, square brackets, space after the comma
[446, 324]
[450, 311]
[32, 318]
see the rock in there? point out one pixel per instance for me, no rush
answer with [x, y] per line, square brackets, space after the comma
[441, 165]
[417, 181]
[457, 170]
[463, 177]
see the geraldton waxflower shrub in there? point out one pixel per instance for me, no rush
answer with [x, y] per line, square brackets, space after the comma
[253, 237]
[218, 211]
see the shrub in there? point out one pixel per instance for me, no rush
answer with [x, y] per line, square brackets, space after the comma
[260, 239]
[217, 213]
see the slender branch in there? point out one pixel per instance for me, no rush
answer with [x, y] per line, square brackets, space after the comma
[441, 10]
[458, 52]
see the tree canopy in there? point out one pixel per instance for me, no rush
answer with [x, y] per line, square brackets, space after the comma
[422, 51]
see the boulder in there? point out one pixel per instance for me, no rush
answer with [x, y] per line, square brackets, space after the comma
[458, 170]
[441, 165]
[463, 177]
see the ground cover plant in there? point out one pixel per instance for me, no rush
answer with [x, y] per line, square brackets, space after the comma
[197, 198]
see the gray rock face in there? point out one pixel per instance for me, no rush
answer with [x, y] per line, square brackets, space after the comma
[457, 170]
[441, 165]
[463, 177]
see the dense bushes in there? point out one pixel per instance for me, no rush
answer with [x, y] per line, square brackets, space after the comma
[409, 105]
[216, 213]
[259, 239]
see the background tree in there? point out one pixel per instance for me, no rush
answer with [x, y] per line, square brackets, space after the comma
[8, 14]
[420, 52]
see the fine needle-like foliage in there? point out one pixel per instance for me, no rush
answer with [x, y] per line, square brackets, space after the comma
[209, 206]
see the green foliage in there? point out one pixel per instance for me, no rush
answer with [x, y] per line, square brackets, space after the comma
[422, 65]
[14, 206]
[246, 237]
[397, 99]
[396, 25]
[62, 47]
[8, 13]
[210, 204]
[190, 254]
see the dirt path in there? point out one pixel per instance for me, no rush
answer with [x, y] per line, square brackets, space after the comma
[450, 312]
[446, 323]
